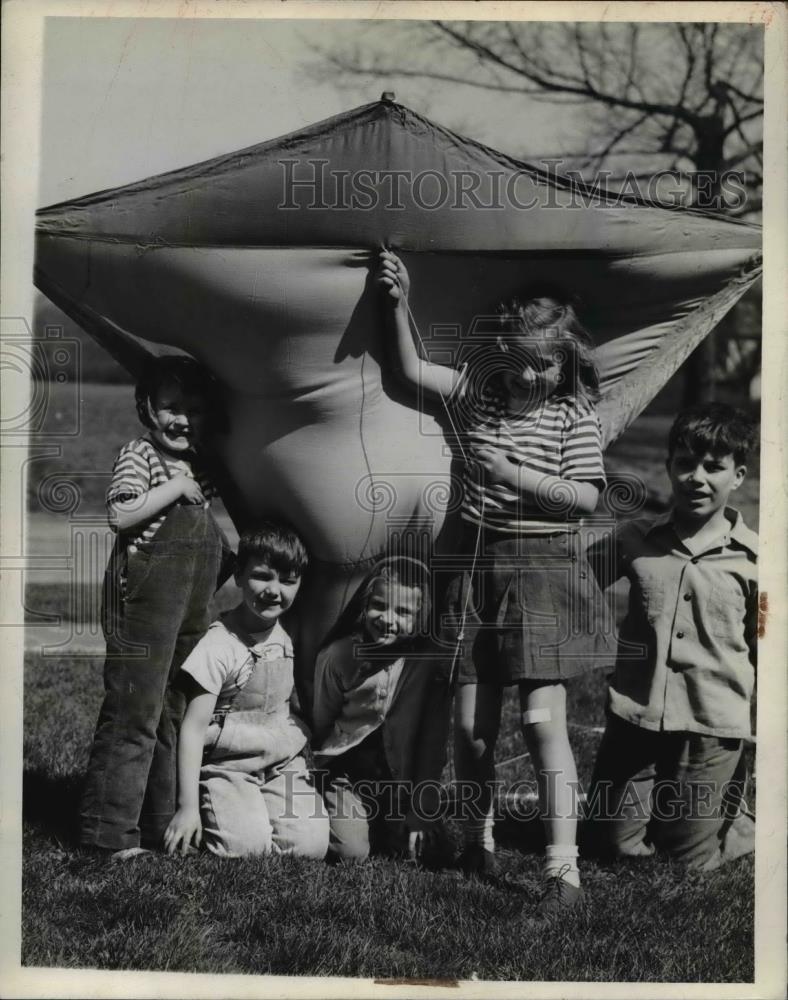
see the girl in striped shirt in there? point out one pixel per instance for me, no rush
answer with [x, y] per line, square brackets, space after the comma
[162, 573]
[524, 609]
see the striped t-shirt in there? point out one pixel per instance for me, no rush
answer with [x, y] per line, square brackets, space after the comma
[558, 437]
[138, 468]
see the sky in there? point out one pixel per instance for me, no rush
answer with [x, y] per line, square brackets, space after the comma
[125, 98]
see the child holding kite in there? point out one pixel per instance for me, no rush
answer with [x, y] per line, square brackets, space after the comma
[524, 609]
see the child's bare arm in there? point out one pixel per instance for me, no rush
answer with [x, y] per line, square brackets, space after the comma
[185, 827]
[606, 557]
[393, 279]
[541, 492]
[128, 514]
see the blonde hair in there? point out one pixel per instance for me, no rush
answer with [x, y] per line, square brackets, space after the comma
[550, 316]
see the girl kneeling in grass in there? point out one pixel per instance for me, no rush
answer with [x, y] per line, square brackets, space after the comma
[380, 718]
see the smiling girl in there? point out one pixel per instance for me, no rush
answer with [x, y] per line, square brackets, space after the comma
[381, 718]
[524, 609]
[163, 571]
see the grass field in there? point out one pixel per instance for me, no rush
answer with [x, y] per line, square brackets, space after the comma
[649, 921]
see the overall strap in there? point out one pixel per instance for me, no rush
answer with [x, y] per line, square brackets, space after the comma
[221, 713]
[160, 459]
[252, 656]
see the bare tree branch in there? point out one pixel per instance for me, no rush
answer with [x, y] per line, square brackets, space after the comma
[754, 149]
[600, 156]
[354, 70]
[750, 98]
[709, 35]
[578, 86]
[690, 97]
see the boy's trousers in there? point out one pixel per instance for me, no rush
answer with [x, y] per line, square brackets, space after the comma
[680, 792]
[151, 623]
[273, 810]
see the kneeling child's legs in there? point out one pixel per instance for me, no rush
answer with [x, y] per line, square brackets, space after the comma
[234, 814]
[348, 819]
[618, 807]
[691, 822]
[296, 811]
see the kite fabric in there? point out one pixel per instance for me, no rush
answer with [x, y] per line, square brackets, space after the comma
[258, 263]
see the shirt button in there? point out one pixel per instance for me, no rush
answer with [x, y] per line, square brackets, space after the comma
[679, 635]
[695, 561]
[688, 597]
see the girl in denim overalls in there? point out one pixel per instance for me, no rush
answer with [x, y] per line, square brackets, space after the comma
[243, 784]
[161, 576]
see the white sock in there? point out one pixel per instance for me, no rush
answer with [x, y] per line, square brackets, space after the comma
[479, 830]
[561, 860]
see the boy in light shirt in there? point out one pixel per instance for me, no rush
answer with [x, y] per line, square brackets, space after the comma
[670, 770]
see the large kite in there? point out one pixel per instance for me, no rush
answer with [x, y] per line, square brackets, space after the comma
[257, 263]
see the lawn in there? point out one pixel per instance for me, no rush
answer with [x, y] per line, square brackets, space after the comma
[649, 921]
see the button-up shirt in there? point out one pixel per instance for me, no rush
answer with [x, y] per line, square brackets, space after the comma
[407, 699]
[352, 696]
[686, 654]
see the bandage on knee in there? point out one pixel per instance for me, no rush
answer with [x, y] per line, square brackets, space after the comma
[534, 715]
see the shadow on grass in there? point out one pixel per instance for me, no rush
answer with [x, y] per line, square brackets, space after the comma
[520, 833]
[52, 804]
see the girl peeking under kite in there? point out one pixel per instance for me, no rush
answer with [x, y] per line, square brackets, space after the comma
[167, 562]
[380, 719]
[524, 608]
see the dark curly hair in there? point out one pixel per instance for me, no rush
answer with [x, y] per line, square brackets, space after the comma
[716, 428]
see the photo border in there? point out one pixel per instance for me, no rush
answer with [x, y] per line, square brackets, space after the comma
[22, 51]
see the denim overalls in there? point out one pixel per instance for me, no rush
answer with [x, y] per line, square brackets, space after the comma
[256, 796]
[155, 608]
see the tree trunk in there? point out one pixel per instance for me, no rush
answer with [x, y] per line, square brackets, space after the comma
[699, 370]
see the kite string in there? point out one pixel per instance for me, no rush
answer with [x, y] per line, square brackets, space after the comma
[366, 457]
[477, 543]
